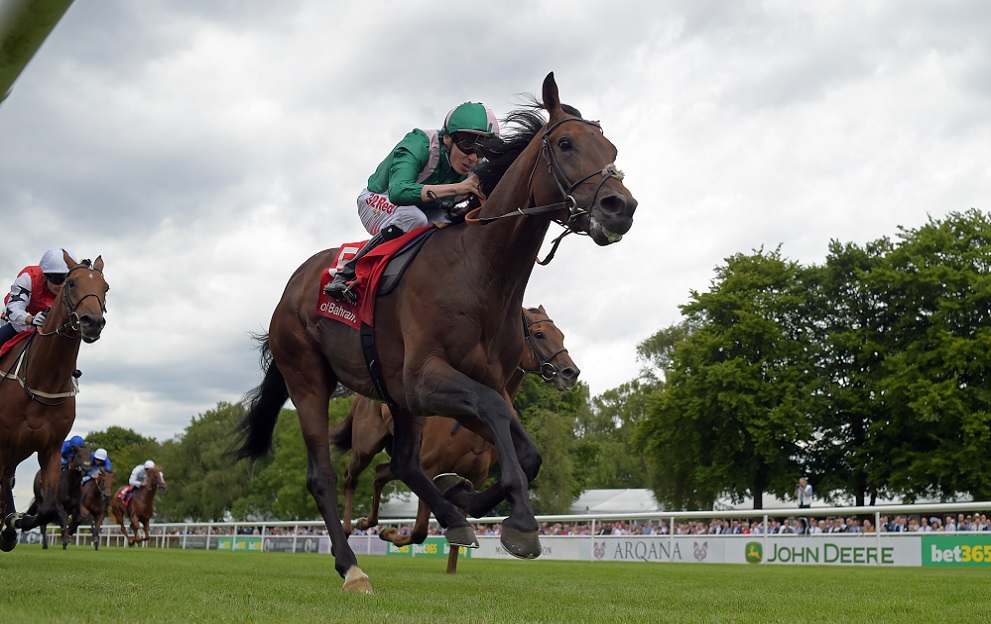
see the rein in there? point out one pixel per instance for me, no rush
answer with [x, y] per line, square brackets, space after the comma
[20, 364]
[547, 370]
[564, 185]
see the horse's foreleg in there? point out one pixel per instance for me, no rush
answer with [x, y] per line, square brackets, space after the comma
[135, 528]
[479, 504]
[420, 528]
[406, 466]
[97, 529]
[51, 464]
[458, 394]
[8, 534]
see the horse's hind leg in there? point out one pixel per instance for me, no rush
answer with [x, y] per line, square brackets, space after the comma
[383, 476]
[311, 398]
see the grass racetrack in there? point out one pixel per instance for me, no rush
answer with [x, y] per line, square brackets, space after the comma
[150, 585]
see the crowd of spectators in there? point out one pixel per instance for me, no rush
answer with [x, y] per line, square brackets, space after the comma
[794, 526]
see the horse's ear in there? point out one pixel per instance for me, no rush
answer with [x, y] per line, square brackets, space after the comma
[552, 100]
[542, 311]
[98, 264]
[69, 262]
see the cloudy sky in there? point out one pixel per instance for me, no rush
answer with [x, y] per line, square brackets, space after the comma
[207, 149]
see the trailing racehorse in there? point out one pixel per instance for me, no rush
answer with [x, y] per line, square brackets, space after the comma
[447, 447]
[68, 494]
[93, 504]
[443, 346]
[38, 388]
[139, 508]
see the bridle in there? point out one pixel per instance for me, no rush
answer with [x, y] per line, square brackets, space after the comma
[546, 370]
[70, 325]
[72, 321]
[564, 185]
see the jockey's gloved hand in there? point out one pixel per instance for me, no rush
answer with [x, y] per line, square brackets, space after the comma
[39, 319]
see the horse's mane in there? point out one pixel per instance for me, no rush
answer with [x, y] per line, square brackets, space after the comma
[519, 127]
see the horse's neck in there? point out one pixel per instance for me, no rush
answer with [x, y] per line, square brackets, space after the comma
[515, 382]
[147, 494]
[507, 249]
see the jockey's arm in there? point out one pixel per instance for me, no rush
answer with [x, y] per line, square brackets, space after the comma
[18, 300]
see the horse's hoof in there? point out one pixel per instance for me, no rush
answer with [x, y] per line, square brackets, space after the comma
[461, 536]
[362, 524]
[450, 482]
[520, 544]
[8, 539]
[12, 521]
[389, 534]
[357, 582]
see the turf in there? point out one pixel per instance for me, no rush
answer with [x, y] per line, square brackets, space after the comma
[149, 585]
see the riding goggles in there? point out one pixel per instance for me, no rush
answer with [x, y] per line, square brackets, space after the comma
[466, 143]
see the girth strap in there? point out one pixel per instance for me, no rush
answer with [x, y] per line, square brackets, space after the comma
[374, 366]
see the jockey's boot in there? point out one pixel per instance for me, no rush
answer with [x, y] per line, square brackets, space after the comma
[341, 287]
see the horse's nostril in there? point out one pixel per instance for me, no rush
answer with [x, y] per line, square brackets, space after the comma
[569, 373]
[613, 204]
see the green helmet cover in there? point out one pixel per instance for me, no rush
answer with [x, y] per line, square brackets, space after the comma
[471, 117]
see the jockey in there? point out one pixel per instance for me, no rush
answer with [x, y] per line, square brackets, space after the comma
[69, 448]
[405, 191]
[140, 474]
[32, 293]
[101, 461]
[137, 479]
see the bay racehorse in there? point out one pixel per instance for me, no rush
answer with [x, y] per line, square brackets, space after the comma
[139, 508]
[38, 388]
[447, 447]
[67, 495]
[443, 345]
[96, 493]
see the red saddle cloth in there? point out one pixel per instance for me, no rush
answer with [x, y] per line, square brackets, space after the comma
[7, 346]
[368, 272]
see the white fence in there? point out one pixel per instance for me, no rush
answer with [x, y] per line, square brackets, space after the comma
[597, 543]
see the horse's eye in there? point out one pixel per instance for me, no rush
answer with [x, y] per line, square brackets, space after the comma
[564, 144]
[70, 283]
[539, 335]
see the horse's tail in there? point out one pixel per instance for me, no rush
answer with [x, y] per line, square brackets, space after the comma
[264, 404]
[340, 435]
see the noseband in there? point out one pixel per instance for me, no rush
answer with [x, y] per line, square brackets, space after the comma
[547, 370]
[72, 322]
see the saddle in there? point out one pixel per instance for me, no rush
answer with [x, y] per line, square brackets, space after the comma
[379, 272]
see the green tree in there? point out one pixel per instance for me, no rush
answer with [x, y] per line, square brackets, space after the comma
[734, 408]
[606, 453]
[936, 381]
[203, 482]
[549, 417]
[848, 321]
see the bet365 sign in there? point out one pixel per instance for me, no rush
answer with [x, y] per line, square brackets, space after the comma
[964, 549]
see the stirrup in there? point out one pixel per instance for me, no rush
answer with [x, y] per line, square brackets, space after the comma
[342, 294]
